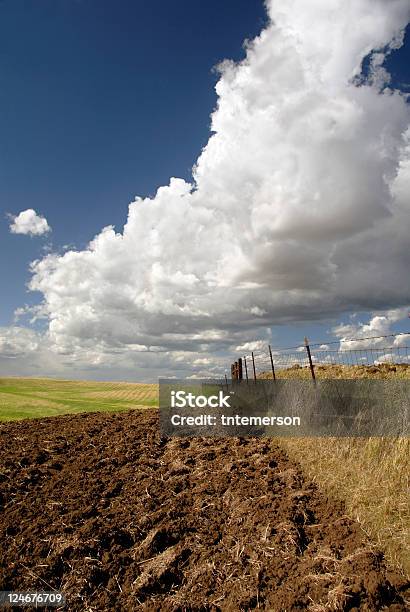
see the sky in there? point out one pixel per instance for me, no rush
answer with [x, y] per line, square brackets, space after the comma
[172, 195]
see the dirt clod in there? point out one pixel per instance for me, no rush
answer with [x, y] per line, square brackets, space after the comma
[101, 508]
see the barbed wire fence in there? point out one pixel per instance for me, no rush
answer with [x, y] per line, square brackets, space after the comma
[393, 349]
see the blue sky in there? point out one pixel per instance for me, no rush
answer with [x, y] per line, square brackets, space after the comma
[102, 101]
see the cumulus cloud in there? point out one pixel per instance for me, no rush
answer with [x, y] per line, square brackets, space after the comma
[377, 332]
[256, 345]
[29, 222]
[17, 342]
[298, 207]
[27, 352]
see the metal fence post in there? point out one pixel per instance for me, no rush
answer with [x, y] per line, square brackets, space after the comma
[312, 369]
[271, 362]
[254, 370]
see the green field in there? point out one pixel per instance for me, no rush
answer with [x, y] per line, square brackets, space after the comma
[27, 398]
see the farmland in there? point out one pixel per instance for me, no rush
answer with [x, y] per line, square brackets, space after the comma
[22, 398]
[375, 372]
[371, 475]
[101, 508]
[93, 502]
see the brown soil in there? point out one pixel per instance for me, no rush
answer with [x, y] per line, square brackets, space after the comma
[100, 507]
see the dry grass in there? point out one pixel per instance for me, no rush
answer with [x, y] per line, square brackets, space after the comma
[382, 371]
[371, 475]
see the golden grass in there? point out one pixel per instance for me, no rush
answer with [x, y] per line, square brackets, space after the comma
[371, 475]
[382, 371]
[137, 391]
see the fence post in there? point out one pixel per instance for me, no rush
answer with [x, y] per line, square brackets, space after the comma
[226, 380]
[240, 370]
[246, 371]
[271, 362]
[312, 369]
[254, 370]
[232, 372]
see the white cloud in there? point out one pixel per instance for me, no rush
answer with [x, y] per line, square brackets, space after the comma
[256, 345]
[29, 222]
[258, 312]
[298, 206]
[17, 341]
[26, 352]
[204, 361]
[357, 335]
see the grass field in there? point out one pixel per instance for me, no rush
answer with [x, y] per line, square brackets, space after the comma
[378, 372]
[371, 475]
[23, 398]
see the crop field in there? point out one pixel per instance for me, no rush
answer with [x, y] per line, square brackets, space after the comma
[22, 398]
[102, 508]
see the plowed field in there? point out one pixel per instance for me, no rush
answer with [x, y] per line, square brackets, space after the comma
[98, 506]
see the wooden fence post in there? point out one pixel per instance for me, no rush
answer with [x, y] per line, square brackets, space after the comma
[246, 371]
[226, 381]
[254, 370]
[312, 369]
[271, 362]
[240, 370]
